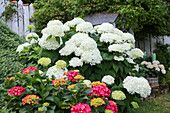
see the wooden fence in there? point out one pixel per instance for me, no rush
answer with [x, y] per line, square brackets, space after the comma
[19, 20]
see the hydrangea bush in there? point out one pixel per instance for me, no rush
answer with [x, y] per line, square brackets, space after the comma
[35, 92]
[100, 53]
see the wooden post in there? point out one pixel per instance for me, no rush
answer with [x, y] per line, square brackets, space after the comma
[20, 18]
[26, 19]
[14, 20]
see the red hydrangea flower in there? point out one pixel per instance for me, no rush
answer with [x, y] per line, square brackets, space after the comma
[59, 82]
[81, 108]
[10, 79]
[70, 75]
[112, 106]
[16, 90]
[100, 90]
[27, 70]
[30, 99]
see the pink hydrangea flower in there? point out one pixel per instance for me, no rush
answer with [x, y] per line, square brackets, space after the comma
[27, 70]
[70, 75]
[16, 90]
[100, 90]
[81, 108]
[30, 99]
[112, 106]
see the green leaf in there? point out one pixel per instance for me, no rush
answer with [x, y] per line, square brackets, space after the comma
[46, 94]
[101, 108]
[120, 102]
[115, 67]
[56, 100]
[50, 98]
[107, 57]
[50, 36]
[57, 39]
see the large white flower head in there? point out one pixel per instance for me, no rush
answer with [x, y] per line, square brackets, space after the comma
[84, 27]
[53, 30]
[108, 79]
[116, 47]
[110, 37]
[137, 85]
[66, 28]
[30, 36]
[68, 49]
[105, 28]
[74, 22]
[126, 46]
[54, 22]
[75, 61]
[135, 53]
[57, 72]
[21, 47]
[88, 44]
[118, 32]
[128, 37]
[50, 44]
[78, 38]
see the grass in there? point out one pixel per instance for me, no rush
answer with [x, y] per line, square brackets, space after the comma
[160, 104]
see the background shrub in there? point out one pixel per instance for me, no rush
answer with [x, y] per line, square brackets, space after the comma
[8, 57]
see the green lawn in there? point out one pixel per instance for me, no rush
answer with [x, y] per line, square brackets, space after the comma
[160, 104]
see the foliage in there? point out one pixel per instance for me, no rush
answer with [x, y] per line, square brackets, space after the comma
[9, 10]
[150, 16]
[8, 57]
[53, 97]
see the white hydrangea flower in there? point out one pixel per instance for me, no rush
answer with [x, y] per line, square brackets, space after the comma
[126, 46]
[50, 44]
[33, 41]
[93, 57]
[144, 63]
[66, 28]
[163, 71]
[150, 66]
[161, 66]
[30, 35]
[87, 82]
[118, 32]
[57, 72]
[120, 58]
[157, 69]
[110, 37]
[84, 27]
[105, 28]
[108, 79]
[135, 53]
[53, 30]
[130, 60]
[156, 62]
[116, 47]
[40, 72]
[78, 52]
[74, 22]
[67, 49]
[88, 44]
[21, 47]
[75, 62]
[54, 23]
[137, 85]
[128, 37]
[78, 38]
[155, 65]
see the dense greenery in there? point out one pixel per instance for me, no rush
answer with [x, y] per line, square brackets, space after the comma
[149, 16]
[8, 44]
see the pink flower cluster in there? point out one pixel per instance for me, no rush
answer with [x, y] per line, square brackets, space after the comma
[81, 108]
[27, 70]
[16, 90]
[70, 75]
[100, 90]
[112, 106]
